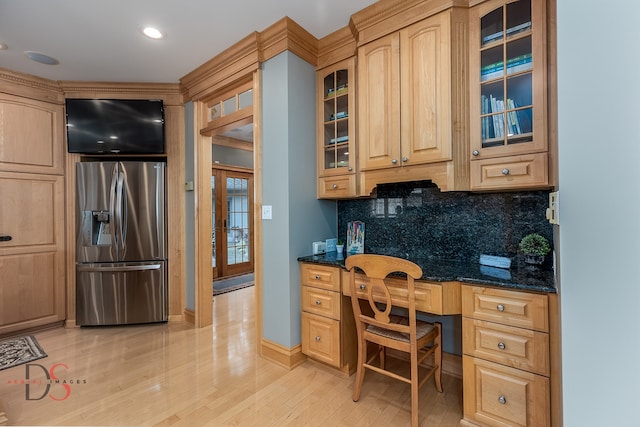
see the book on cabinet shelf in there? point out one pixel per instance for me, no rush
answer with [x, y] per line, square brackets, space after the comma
[510, 31]
[489, 107]
[514, 65]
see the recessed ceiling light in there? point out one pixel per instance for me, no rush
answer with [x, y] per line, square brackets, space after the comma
[41, 58]
[3, 46]
[152, 33]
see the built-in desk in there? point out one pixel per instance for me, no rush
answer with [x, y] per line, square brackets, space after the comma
[440, 298]
[510, 362]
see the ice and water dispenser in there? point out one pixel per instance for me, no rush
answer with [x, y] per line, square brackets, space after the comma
[96, 228]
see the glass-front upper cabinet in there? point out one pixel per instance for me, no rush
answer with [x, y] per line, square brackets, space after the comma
[508, 78]
[336, 130]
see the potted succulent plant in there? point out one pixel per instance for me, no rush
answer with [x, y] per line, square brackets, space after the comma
[340, 247]
[535, 248]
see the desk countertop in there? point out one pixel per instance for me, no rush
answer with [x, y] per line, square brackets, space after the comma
[526, 278]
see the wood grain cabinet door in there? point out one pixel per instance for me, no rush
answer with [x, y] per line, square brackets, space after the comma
[31, 135]
[32, 262]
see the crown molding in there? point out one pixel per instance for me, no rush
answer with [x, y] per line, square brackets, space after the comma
[286, 34]
[168, 92]
[386, 16]
[29, 86]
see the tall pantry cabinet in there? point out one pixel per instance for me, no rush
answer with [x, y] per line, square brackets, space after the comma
[32, 263]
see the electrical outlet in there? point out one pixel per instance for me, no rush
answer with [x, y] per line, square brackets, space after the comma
[553, 211]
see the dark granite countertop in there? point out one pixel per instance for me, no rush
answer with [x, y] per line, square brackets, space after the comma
[523, 277]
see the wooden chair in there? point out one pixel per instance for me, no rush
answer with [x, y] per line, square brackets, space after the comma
[381, 326]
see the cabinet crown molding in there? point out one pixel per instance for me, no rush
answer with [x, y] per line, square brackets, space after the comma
[386, 16]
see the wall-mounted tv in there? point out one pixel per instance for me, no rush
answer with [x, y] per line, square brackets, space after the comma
[115, 126]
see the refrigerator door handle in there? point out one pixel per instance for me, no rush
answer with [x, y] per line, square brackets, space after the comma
[120, 214]
[112, 204]
[89, 268]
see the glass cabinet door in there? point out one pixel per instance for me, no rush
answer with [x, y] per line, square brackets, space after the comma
[510, 67]
[335, 137]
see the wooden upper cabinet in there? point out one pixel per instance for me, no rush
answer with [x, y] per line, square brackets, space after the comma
[31, 135]
[336, 130]
[508, 101]
[425, 75]
[405, 96]
[412, 119]
[379, 103]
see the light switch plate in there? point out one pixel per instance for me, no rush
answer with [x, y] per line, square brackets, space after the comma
[266, 212]
[331, 244]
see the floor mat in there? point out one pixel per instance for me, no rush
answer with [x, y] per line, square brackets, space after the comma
[16, 351]
[232, 284]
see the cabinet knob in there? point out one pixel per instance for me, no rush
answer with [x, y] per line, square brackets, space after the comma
[501, 345]
[394, 161]
[500, 307]
[318, 338]
[5, 238]
[349, 168]
[502, 400]
[318, 302]
[405, 159]
[475, 152]
[334, 186]
[505, 171]
[363, 287]
[317, 277]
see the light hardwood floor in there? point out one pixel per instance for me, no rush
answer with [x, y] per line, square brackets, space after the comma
[175, 375]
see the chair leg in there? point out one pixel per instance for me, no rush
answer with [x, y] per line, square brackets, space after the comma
[362, 358]
[382, 354]
[415, 380]
[438, 358]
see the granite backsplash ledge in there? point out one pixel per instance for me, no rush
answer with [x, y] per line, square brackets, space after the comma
[417, 220]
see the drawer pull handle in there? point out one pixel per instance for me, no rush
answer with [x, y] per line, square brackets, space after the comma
[501, 345]
[475, 152]
[502, 400]
[318, 338]
[320, 303]
[334, 186]
[500, 307]
[363, 287]
[5, 238]
[317, 277]
[505, 171]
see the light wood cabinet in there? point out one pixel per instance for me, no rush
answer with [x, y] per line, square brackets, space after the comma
[441, 298]
[32, 262]
[328, 327]
[411, 101]
[336, 137]
[506, 357]
[508, 95]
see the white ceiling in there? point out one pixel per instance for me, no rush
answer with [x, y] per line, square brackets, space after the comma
[99, 40]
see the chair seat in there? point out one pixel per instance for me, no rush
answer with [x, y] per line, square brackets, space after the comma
[422, 329]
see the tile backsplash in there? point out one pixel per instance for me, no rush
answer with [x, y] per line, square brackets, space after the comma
[417, 220]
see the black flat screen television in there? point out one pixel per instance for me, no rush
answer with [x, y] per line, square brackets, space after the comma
[115, 126]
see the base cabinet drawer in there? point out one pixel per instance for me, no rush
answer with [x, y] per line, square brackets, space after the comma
[321, 338]
[504, 396]
[516, 347]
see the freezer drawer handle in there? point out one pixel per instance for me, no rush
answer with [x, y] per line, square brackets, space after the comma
[127, 268]
[5, 238]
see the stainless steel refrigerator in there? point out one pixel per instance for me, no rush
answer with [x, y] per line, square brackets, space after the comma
[121, 243]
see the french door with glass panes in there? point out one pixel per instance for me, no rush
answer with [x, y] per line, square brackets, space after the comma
[232, 215]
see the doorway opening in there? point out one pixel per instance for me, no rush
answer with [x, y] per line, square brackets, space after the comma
[232, 222]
